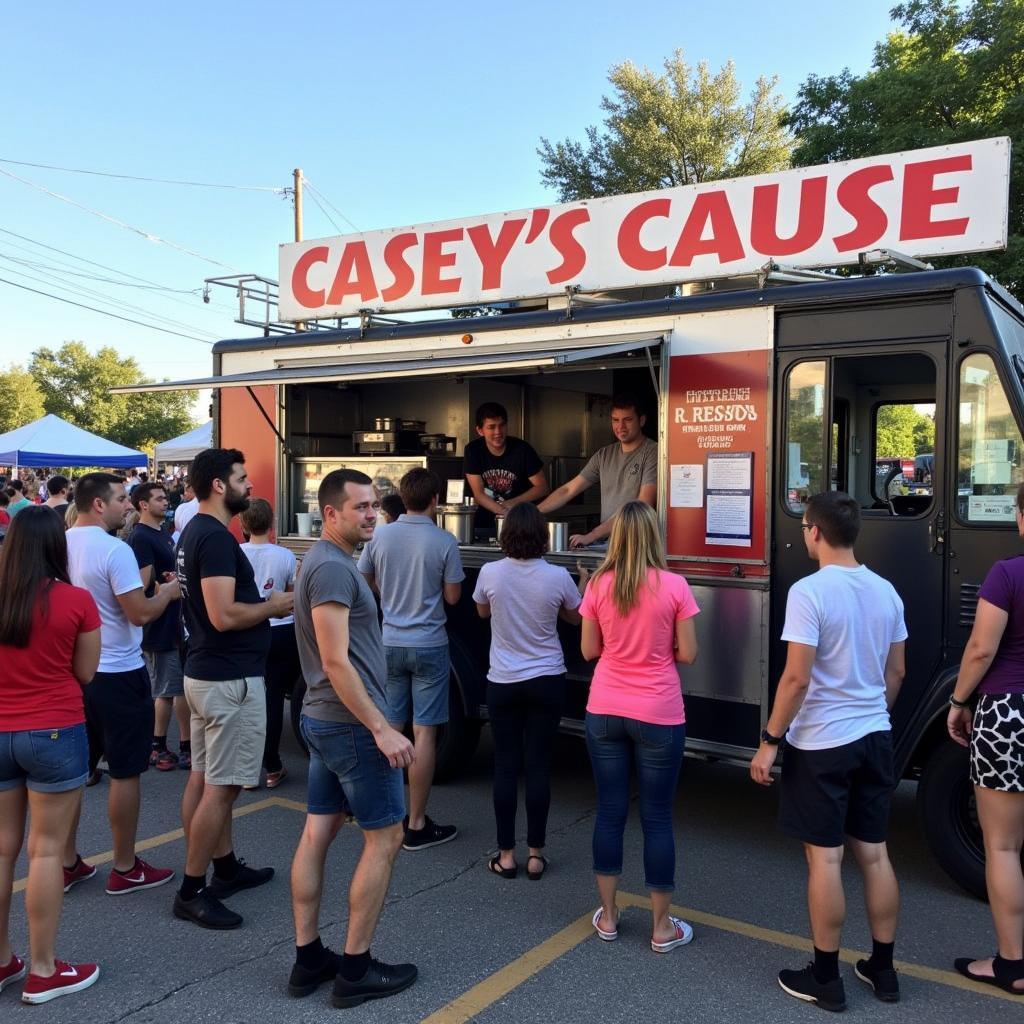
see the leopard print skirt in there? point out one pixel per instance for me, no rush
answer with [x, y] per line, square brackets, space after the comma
[997, 743]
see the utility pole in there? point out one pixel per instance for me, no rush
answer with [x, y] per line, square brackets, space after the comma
[297, 197]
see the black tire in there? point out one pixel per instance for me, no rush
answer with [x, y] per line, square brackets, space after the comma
[295, 709]
[945, 800]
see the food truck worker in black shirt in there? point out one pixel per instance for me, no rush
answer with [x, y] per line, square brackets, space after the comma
[502, 471]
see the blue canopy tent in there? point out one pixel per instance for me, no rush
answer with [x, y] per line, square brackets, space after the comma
[52, 441]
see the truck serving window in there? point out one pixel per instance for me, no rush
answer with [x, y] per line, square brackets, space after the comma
[805, 433]
[989, 448]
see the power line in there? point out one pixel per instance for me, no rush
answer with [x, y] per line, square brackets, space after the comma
[323, 210]
[103, 312]
[148, 235]
[280, 189]
[313, 188]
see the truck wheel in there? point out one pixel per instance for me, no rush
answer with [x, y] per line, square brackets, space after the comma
[295, 709]
[945, 799]
[456, 740]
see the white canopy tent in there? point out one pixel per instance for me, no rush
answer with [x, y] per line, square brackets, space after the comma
[186, 447]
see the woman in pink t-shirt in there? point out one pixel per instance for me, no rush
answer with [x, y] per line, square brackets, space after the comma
[638, 622]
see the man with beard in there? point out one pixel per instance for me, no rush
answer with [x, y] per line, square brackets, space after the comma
[228, 637]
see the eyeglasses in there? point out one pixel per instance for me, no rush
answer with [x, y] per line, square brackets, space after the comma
[807, 526]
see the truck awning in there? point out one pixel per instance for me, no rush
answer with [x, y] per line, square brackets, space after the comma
[493, 359]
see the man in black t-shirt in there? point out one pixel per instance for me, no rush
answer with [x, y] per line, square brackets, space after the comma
[228, 640]
[501, 471]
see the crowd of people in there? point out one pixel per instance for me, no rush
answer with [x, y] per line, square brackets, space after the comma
[104, 642]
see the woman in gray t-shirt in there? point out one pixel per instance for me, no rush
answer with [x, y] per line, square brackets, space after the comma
[524, 597]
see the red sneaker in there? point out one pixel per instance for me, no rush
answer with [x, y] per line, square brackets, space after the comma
[67, 978]
[79, 873]
[141, 876]
[12, 972]
[164, 761]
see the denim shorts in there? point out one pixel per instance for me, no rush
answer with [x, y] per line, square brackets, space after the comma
[349, 774]
[418, 683]
[44, 760]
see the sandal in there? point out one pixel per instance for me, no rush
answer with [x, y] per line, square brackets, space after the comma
[684, 933]
[1004, 973]
[601, 933]
[536, 876]
[494, 866]
[274, 779]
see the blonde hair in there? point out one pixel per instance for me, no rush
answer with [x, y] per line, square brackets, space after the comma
[70, 516]
[633, 550]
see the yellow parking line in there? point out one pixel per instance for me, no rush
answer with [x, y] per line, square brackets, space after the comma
[169, 837]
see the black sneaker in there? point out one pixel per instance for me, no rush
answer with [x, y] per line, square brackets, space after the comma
[206, 911]
[431, 834]
[304, 982]
[245, 878]
[883, 981]
[804, 985]
[380, 981]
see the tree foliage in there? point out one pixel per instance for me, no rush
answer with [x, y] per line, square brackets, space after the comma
[954, 73]
[681, 127]
[902, 432]
[75, 385]
[21, 401]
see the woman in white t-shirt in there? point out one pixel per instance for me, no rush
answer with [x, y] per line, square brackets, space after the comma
[524, 597]
[274, 569]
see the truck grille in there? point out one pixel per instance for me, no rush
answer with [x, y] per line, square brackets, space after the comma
[968, 603]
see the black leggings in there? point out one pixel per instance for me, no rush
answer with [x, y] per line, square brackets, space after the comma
[524, 721]
[282, 670]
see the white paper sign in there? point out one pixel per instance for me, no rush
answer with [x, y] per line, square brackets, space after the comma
[729, 471]
[687, 486]
[991, 508]
[456, 492]
[728, 520]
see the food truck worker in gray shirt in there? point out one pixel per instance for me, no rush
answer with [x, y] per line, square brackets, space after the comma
[355, 756]
[415, 567]
[627, 471]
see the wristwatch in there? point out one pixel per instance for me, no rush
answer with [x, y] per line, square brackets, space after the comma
[767, 737]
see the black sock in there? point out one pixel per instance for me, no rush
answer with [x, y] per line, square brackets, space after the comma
[312, 955]
[185, 746]
[191, 886]
[225, 867]
[160, 742]
[826, 966]
[881, 955]
[354, 966]
[78, 860]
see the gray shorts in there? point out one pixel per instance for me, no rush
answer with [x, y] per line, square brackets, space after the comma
[228, 729]
[165, 674]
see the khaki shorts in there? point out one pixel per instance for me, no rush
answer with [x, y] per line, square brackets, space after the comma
[228, 730]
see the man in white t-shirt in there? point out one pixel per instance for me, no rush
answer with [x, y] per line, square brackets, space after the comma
[185, 511]
[844, 666]
[118, 703]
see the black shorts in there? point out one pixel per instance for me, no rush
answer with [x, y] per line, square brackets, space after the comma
[837, 792]
[119, 716]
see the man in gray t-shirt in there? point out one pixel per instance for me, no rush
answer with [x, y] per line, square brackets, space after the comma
[627, 471]
[415, 567]
[355, 756]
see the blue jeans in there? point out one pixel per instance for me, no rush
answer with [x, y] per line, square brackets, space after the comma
[44, 760]
[417, 686]
[615, 744]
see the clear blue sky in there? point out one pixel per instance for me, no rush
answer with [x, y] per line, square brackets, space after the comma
[398, 112]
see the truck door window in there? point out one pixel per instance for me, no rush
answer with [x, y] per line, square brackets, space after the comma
[805, 433]
[989, 447]
[904, 462]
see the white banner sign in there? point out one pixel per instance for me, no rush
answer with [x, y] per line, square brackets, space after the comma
[928, 202]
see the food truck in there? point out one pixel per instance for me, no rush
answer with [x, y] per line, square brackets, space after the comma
[761, 382]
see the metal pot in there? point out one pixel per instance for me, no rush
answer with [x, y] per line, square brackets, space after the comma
[458, 520]
[499, 525]
[558, 536]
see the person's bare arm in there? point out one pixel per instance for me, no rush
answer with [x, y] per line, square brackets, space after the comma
[538, 488]
[146, 572]
[561, 495]
[789, 698]
[452, 593]
[140, 610]
[895, 670]
[483, 610]
[330, 624]
[686, 641]
[476, 485]
[647, 493]
[989, 625]
[570, 615]
[225, 613]
[591, 640]
[371, 582]
[86, 657]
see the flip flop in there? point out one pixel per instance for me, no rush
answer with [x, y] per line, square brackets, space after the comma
[1004, 973]
[536, 876]
[601, 934]
[684, 933]
[494, 866]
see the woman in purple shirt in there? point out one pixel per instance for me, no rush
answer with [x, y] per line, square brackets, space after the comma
[993, 666]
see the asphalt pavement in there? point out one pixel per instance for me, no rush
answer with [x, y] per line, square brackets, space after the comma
[493, 950]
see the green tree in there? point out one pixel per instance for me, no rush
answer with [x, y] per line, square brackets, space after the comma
[901, 432]
[954, 73]
[678, 128]
[75, 385]
[21, 401]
